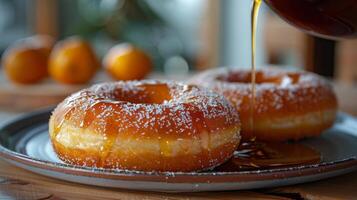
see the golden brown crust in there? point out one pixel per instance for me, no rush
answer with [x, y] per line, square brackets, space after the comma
[147, 125]
[166, 155]
[288, 104]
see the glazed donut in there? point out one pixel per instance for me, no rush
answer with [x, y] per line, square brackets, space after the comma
[289, 105]
[145, 126]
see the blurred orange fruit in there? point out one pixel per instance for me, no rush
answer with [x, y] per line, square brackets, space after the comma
[25, 61]
[126, 62]
[43, 42]
[73, 61]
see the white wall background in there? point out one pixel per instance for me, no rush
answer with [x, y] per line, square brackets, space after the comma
[235, 38]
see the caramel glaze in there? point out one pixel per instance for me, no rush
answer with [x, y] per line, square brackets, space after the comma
[255, 155]
[311, 93]
[88, 117]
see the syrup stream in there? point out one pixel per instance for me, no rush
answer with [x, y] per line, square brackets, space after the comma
[254, 20]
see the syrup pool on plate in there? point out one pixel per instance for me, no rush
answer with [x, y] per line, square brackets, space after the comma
[262, 155]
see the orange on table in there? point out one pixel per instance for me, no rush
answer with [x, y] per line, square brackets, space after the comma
[25, 61]
[73, 61]
[126, 62]
[44, 43]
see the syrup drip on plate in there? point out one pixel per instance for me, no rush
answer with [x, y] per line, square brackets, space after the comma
[255, 155]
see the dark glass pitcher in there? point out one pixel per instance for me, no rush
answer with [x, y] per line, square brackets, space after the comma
[326, 18]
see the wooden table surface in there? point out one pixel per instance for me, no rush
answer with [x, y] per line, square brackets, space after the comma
[16, 183]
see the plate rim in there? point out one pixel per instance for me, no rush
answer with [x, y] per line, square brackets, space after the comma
[169, 177]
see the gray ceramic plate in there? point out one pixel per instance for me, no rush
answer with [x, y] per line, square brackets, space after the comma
[25, 143]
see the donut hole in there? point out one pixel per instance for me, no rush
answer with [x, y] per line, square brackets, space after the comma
[260, 78]
[145, 94]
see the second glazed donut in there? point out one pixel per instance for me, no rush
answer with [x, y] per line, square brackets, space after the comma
[289, 105]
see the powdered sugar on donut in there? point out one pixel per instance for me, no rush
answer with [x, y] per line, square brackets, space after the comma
[276, 89]
[187, 107]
